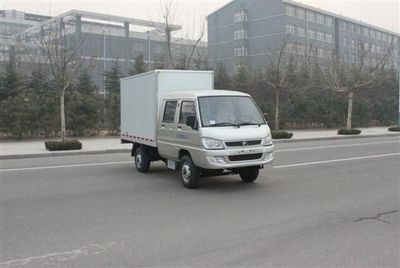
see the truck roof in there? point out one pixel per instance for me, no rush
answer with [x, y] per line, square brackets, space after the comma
[193, 94]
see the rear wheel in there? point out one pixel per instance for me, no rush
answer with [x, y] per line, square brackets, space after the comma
[142, 160]
[190, 174]
[249, 175]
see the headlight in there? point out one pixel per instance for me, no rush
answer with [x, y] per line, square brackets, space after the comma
[266, 140]
[212, 144]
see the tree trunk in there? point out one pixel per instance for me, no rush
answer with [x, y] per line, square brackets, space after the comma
[349, 110]
[277, 109]
[62, 114]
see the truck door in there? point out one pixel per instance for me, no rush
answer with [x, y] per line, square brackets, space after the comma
[167, 130]
[187, 136]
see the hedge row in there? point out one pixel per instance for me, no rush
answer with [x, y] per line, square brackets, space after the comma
[394, 128]
[280, 134]
[344, 131]
[63, 145]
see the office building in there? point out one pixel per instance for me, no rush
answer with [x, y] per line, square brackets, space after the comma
[107, 39]
[251, 32]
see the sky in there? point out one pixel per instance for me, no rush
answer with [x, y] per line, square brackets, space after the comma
[191, 13]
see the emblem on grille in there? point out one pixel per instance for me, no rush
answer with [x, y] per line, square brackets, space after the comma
[245, 143]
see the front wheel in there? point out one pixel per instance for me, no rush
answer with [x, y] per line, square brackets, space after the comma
[142, 160]
[190, 174]
[249, 175]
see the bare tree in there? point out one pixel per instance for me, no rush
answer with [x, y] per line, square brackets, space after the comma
[193, 38]
[349, 74]
[168, 12]
[277, 76]
[61, 53]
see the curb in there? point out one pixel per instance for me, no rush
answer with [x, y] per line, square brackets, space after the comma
[112, 151]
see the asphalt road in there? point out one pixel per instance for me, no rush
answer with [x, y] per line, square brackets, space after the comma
[321, 204]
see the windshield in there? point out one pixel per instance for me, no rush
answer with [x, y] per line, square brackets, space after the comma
[229, 111]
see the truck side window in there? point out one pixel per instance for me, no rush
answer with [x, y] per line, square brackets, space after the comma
[169, 112]
[187, 108]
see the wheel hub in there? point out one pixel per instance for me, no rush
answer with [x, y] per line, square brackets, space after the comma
[139, 160]
[186, 173]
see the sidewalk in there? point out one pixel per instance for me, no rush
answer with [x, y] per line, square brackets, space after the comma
[35, 148]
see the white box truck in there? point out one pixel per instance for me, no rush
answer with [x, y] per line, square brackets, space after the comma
[177, 117]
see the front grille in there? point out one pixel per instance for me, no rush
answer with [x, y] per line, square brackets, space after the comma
[242, 143]
[244, 157]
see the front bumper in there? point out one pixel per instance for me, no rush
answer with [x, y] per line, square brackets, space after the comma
[222, 159]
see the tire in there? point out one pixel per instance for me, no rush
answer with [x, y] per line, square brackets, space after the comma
[190, 174]
[249, 175]
[142, 160]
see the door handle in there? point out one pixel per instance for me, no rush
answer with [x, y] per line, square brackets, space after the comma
[179, 127]
[162, 126]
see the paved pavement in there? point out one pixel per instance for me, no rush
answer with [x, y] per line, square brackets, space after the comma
[328, 203]
[35, 148]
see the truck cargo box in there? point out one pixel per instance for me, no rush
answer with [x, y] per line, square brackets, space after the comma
[141, 97]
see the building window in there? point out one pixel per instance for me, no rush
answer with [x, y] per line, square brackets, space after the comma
[357, 29]
[240, 16]
[240, 51]
[300, 13]
[372, 33]
[310, 16]
[138, 47]
[320, 19]
[239, 66]
[353, 43]
[321, 52]
[329, 21]
[240, 34]
[346, 41]
[329, 38]
[366, 31]
[394, 40]
[384, 37]
[301, 49]
[320, 36]
[291, 48]
[373, 48]
[301, 32]
[311, 34]
[158, 49]
[290, 29]
[290, 10]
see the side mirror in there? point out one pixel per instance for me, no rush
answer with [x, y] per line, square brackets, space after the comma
[191, 121]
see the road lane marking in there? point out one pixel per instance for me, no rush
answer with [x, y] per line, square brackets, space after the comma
[337, 160]
[56, 258]
[334, 146]
[66, 166]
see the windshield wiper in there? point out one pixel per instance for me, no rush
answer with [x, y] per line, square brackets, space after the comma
[221, 124]
[248, 124]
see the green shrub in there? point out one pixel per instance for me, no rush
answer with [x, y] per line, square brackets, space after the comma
[63, 145]
[353, 131]
[394, 128]
[280, 134]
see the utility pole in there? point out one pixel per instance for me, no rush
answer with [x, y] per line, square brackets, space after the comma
[104, 72]
[148, 50]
